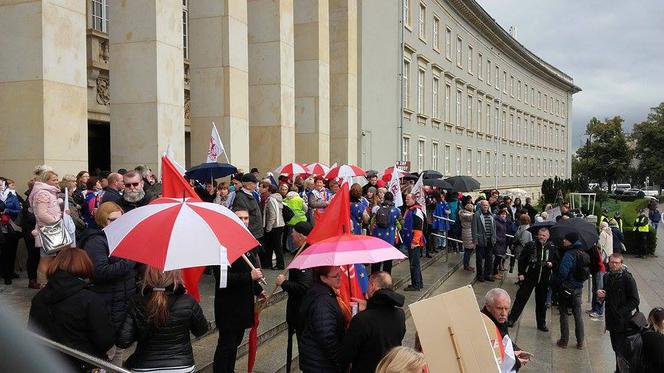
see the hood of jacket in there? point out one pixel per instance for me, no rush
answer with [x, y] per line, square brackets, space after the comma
[277, 197]
[88, 234]
[38, 187]
[60, 286]
[385, 298]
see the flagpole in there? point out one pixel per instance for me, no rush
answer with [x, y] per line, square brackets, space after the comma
[251, 265]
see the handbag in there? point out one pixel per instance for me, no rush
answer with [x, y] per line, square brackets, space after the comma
[54, 237]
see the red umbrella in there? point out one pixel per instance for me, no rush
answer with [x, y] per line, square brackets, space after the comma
[317, 169]
[172, 233]
[387, 174]
[344, 171]
[290, 169]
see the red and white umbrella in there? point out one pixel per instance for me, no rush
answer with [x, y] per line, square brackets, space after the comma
[317, 169]
[387, 174]
[290, 169]
[172, 233]
[345, 171]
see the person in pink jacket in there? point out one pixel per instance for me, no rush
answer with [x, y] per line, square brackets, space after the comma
[45, 205]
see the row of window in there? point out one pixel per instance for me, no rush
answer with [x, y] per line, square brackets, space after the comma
[481, 163]
[475, 64]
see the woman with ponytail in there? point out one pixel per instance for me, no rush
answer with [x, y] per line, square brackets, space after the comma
[160, 318]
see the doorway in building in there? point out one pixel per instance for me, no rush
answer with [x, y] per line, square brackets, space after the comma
[99, 147]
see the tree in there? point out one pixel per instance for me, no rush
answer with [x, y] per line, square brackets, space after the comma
[649, 138]
[606, 154]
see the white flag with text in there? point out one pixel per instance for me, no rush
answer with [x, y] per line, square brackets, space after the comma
[216, 147]
[418, 193]
[394, 187]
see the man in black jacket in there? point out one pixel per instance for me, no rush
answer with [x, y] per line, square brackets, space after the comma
[299, 281]
[372, 333]
[535, 266]
[234, 307]
[134, 195]
[244, 200]
[622, 299]
[112, 191]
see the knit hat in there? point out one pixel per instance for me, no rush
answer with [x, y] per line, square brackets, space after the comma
[303, 228]
[572, 237]
[372, 190]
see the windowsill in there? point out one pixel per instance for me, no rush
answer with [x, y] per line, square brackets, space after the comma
[408, 27]
[449, 58]
[459, 128]
[97, 33]
[448, 125]
[422, 116]
[459, 66]
[423, 40]
[436, 120]
[408, 111]
[437, 50]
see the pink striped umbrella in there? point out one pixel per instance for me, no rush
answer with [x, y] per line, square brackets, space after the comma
[344, 171]
[172, 233]
[346, 249]
[290, 169]
[317, 169]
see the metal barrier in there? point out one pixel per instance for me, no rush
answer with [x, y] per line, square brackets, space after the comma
[109, 367]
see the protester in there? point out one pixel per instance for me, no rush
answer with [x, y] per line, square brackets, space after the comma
[599, 257]
[618, 217]
[274, 229]
[413, 240]
[621, 297]
[655, 217]
[114, 188]
[402, 360]
[81, 186]
[223, 194]
[466, 218]
[133, 195]
[234, 303]
[573, 272]
[10, 232]
[653, 342]
[530, 209]
[534, 273]
[322, 322]
[618, 238]
[319, 198]
[245, 201]
[160, 318]
[497, 305]
[67, 311]
[209, 194]
[150, 185]
[379, 326]
[385, 225]
[68, 182]
[484, 238]
[372, 182]
[440, 226]
[641, 226]
[46, 207]
[93, 186]
[500, 247]
[358, 209]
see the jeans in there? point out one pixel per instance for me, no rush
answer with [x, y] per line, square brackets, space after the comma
[483, 261]
[466, 257]
[578, 319]
[226, 352]
[598, 283]
[415, 270]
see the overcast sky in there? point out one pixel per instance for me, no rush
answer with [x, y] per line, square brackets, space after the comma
[613, 50]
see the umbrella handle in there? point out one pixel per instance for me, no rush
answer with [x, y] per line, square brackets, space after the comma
[251, 265]
[284, 272]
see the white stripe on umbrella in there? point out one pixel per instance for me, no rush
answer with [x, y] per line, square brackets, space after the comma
[122, 227]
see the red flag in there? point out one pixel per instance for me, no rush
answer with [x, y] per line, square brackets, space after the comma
[335, 220]
[175, 186]
[350, 285]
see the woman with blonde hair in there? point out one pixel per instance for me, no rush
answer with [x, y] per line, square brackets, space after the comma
[45, 205]
[160, 319]
[402, 360]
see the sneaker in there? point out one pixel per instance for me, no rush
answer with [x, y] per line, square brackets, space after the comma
[595, 315]
[469, 269]
[411, 288]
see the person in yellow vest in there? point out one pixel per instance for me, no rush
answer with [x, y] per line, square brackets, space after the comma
[603, 217]
[641, 226]
[618, 217]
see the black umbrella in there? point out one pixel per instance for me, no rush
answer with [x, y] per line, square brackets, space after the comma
[410, 177]
[432, 174]
[438, 183]
[543, 224]
[587, 231]
[208, 171]
[463, 183]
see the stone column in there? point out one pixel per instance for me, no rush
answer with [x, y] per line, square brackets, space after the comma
[43, 87]
[343, 81]
[218, 51]
[147, 81]
[312, 80]
[271, 83]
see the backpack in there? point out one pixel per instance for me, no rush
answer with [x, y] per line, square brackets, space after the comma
[383, 216]
[581, 270]
[287, 213]
[632, 358]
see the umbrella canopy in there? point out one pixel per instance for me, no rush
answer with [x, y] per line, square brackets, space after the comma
[317, 169]
[534, 228]
[431, 174]
[387, 174]
[587, 231]
[346, 249]
[344, 171]
[463, 183]
[290, 169]
[515, 192]
[212, 170]
[172, 233]
[438, 183]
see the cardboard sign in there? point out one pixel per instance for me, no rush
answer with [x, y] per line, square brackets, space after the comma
[403, 165]
[452, 333]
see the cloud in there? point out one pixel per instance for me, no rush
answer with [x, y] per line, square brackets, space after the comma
[612, 49]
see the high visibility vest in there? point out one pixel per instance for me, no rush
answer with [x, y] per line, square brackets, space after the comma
[642, 223]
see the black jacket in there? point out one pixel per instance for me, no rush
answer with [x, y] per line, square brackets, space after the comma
[68, 312]
[168, 345]
[299, 281]
[114, 278]
[622, 298]
[503, 329]
[532, 261]
[128, 206]
[374, 332]
[247, 202]
[653, 351]
[322, 325]
[111, 195]
[234, 304]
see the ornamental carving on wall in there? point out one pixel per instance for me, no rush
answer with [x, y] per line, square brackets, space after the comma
[187, 108]
[103, 50]
[103, 94]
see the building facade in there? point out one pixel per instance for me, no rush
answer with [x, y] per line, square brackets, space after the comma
[109, 83]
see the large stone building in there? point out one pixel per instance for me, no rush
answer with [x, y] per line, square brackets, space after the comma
[110, 83]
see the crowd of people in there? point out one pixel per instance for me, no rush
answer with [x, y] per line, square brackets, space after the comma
[101, 305]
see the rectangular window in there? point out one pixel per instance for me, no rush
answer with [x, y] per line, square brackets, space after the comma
[504, 81]
[405, 148]
[406, 12]
[497, 77]
[511, 164]
[434, 99]
[469, 162]
[539, 166]
[185, 28]
[525, 98]
[488, 72]
[478, 161]
[495, 129]
[458, 160]
[420, 90]
[503, 130]
[447, 155]
[480, 117]
[487, 123]
[551, 104]
[469, 113]
[448, 43]
[448, 93]
[434, 156]
[539, 99]
[422, 22]
[436, 30]
[518, 90]
[459, 51]
[504, 165]
[532, 166]
[480, 68]
[511, 86]
[420, 154]
[510, 130]
[470, 59]
[458, 107]
[518, 165]
[100, 15]
[487, 163]
[519, 133]
[546, 165]
[546, 100]
[405, 78]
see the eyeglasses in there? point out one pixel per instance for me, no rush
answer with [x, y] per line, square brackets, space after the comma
[336, 277]
[129, 185]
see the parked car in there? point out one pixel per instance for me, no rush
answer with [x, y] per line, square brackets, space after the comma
[620, 188]
[651, 192]
[632, 192]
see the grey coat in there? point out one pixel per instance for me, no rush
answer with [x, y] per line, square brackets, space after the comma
[478, 230]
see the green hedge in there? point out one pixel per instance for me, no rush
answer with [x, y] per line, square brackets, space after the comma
[630, 240]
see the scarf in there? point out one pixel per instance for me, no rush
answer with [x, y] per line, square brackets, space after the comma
[344, 307]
